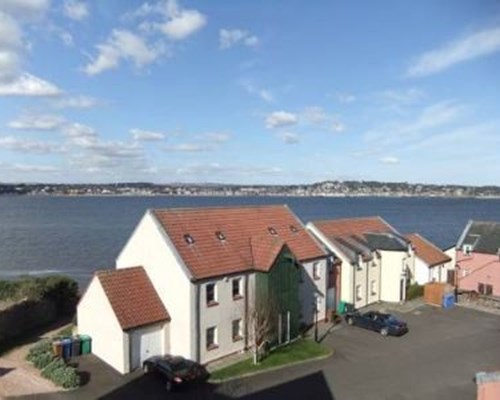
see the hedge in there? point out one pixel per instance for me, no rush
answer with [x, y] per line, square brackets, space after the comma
[414, 291]
[53, 368]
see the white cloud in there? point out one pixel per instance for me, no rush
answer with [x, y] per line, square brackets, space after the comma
[401, 96]
[123, 45]
[67, 38]
[31, 122]
[346, 98]
[75, 9]
[232, 37]
[149, 136]
[389, 160]
[280, 119]
[77, 131]
[180, 23]
[313, 115]
[188, 147]
[473, 46]
[75, 102]
[28, 168]
[29, 85]
[29, 146]
[264, 94]
[289, 137]
[217, 137]
[337, 127]
[25, 9]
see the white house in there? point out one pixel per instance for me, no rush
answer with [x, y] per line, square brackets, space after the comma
[373, 261]
[431, 263]
[125, 318]
[204, 264]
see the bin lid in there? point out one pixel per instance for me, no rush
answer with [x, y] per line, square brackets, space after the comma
[85, 337]
[66, 340]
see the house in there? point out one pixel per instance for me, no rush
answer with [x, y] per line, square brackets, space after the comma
[372, 261]
[478, 258]
[119, 309]
[488, 385]
[210, 267]
[431, 263]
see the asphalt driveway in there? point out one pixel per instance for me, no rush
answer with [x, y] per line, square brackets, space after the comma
[437, 359]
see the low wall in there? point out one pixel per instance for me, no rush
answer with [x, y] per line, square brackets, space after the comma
[24, 317]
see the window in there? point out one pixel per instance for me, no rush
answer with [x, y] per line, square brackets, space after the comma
[211, 294]
[272, 231]
[316, 273]
[293, 228]
[211, 338]
[237, 330]
[237, 288]
[188, 238]
[359, 266]
[485, 289]
[220, 235]
[358, 293]
[373, 289]
[467, 249]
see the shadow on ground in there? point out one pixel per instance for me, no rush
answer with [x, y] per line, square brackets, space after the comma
[150, 387]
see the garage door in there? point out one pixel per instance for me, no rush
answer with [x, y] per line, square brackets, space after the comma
[145, 343]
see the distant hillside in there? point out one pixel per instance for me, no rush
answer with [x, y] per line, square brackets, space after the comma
[327, 188]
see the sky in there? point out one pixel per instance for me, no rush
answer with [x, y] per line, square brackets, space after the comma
[250, 92]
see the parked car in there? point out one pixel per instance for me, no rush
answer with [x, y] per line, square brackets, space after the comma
[385, 324]
[177, 370]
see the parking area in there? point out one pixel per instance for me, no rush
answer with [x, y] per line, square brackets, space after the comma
[437, 359]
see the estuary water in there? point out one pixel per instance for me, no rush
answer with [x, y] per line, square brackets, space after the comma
[78, 235]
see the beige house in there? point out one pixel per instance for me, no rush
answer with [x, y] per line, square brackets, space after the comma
[202, 264]
[373, 263]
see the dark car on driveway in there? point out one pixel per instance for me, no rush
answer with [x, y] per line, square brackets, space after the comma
[176, 370]
[385, 324]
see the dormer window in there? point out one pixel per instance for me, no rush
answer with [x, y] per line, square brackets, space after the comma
[272, 231]
[188, 238]
[467, 249]
[293, 228]
[220, 235]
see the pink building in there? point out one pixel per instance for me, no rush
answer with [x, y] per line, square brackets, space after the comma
[478, 258]
[488, 385]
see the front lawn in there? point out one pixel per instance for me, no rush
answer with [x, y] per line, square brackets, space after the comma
[301, 350]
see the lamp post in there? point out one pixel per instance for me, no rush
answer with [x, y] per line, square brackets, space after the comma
[315, 310]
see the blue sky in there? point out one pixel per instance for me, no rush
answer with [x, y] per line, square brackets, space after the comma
[249, 91]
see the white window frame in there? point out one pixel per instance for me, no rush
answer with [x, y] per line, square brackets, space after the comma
[316, 271]
[358, 293]
[239, 335]
[214, 301]
[239, 295]
[214, 344]
[373, 290]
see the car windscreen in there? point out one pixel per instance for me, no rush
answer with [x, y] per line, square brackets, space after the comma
[181, 367]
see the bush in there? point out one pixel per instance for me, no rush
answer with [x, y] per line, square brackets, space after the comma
[42, 347]
[9, 290]
[42, 360]
[415, 291]
[61, 374]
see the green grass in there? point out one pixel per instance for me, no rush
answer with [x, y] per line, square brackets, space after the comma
[300, 350]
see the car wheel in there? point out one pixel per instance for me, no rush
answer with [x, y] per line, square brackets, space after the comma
[146, 368]
[384, 331]
[169, 386]
[350, 321]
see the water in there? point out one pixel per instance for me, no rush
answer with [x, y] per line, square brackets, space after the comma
[78, 235]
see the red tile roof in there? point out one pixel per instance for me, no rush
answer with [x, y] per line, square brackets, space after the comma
[427, 251]
[133, 298]
[246, 231]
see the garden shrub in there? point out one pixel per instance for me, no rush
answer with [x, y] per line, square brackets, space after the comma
[42, 347]
[415, 290]
[61, 374]
[42, 360]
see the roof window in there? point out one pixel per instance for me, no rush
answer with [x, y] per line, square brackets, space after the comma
[272, 231]
[293, 228]
[188, 238]
[220, 235]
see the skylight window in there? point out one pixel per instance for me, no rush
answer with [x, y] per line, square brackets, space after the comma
[272, 231]
[293, 228]
[220, 235]
[188, 238]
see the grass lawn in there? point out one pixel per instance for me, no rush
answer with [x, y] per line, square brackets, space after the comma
[301, 350]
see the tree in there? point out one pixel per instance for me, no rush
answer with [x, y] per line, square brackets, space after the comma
[262, 322]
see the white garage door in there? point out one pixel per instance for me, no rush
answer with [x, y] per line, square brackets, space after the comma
[145, 343]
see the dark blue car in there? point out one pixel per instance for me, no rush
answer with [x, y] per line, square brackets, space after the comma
[385, 324]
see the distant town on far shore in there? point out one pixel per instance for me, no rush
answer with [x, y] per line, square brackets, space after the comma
[327, 188]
